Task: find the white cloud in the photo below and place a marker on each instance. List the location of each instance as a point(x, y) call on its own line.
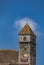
point(34, 26)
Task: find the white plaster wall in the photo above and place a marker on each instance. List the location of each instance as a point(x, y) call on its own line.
point(27, 38)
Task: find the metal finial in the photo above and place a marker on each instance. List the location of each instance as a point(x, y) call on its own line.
point(26, 21)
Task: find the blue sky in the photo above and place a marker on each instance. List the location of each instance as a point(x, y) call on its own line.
point(12, 11)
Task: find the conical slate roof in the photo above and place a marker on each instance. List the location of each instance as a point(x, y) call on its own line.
point(26, 30)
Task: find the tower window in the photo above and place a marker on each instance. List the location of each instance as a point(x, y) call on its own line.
point(24, 38)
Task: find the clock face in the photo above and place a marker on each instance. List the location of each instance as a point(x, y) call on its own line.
point(25, 55)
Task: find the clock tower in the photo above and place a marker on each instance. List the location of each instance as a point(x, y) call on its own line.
point(27, 46)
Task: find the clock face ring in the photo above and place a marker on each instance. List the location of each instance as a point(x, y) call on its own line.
point(25, 55)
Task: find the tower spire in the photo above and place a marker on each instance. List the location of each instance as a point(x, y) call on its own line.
point(26, 30)
point(26, 21)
